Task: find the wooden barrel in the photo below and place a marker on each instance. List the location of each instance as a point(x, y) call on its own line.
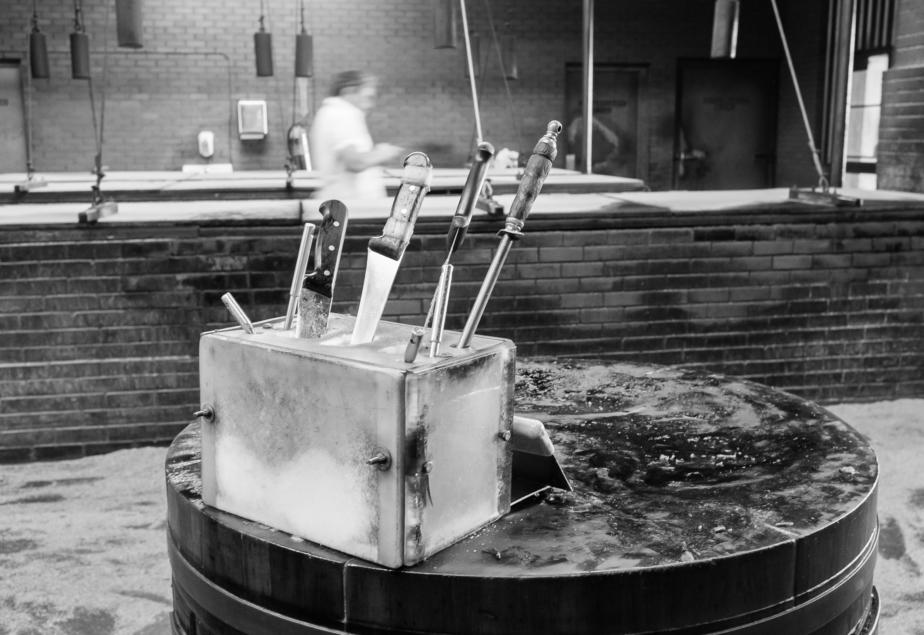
point(701, 504)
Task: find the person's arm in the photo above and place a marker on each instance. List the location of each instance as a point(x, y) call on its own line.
point(356, 161)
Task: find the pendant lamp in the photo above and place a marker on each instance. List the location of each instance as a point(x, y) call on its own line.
point(263, 49)
point(38, 49)
point(725, 29)
point(128, 23)
point(304, 48)
point(80, 47)
point(444, 24)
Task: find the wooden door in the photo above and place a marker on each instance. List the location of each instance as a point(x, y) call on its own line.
point(725, 136)
point(12, 119)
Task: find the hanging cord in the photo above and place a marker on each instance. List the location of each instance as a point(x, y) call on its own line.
point(290, 164)
point(78, 17)
point(482, 80)
point(471, 72)
point(300, 10)
point(280, 100)
point(98, 129)
point(822, 179)
point(500, 60)
point(28, 73)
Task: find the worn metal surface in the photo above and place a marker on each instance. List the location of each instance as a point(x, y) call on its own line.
point(701, 503)
point(297, 424)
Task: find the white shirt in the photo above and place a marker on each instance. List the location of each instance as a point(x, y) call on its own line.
point(339, 124)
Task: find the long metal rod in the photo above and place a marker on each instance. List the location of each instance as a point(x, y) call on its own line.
point(471, 72)
point(487, 287)
point(588, 84)
point(301, 267)
point(440, 305)
point(795, 84)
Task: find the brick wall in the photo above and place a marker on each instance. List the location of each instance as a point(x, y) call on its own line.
point(197, 62)
point(99, 326)
point(901, 126)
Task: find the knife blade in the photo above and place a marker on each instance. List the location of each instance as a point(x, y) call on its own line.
point(317, 292)
point(537, 169)
point(386, 251)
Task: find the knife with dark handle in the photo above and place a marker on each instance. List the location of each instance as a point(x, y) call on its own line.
point(386, 251)
point(317, 288)
point(470, 191)
point(458, 228)
point(537, 169)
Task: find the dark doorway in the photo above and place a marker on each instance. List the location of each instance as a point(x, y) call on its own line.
point(726, 129)
point(619, 144)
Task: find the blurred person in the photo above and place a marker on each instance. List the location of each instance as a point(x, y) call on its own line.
point(611, 152)
point(342, 149)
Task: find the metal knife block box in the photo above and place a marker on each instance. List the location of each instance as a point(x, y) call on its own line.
point(351, 447)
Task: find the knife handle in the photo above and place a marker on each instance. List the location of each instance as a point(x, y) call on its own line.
point(415, 183)
point(328, 245)
point(470, 193)
point(537, 168)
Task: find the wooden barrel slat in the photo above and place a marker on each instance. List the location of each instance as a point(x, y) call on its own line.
point(702, 503)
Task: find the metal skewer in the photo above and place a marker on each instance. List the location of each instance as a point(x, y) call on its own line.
point(301, 267)
point(440, 305)
point(237, 312)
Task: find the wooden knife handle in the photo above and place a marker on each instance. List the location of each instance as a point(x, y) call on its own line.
point(415, 183)
point(537, 168)
point(328, 245)
point(470, 193)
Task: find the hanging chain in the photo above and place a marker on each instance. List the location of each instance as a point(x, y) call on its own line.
point(261, 15)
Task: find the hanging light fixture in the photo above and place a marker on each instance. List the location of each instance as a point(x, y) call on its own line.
point(725, 29)
point(444, 24)
point(38, 49)
point(304, 48)
point(263, 48)
point(128, 23)
point(508, 46)
point(80, 46)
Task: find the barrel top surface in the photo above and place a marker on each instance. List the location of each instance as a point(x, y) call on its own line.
point(668, 467)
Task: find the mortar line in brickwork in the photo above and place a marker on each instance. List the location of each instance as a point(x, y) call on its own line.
point(108, 360)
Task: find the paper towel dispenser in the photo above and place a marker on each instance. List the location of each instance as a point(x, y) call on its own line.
point(251, 119)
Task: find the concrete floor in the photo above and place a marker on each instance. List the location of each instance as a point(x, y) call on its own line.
point(83, 549)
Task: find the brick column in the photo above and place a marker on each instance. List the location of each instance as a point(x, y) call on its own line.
point(901, 128)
